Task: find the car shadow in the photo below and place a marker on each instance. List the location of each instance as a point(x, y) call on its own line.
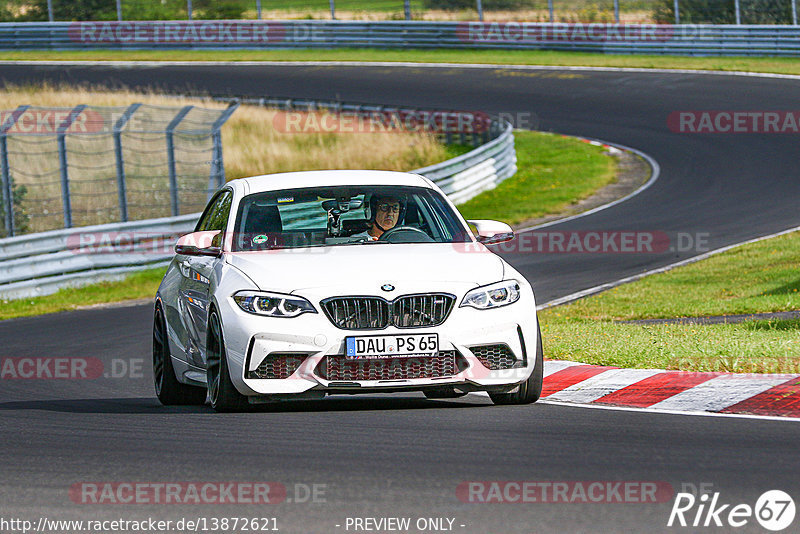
point(150, 405)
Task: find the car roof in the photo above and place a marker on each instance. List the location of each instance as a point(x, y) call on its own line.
point(292, 180)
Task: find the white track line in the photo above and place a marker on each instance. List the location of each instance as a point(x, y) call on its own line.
point(610, 285)
point(551, 367)
point(669, 412)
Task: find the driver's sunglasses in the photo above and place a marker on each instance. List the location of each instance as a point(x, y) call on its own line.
point(395, 208)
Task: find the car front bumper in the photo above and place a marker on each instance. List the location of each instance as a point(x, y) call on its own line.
point(312, 338)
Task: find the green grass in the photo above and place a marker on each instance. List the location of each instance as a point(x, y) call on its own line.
point(759, 277)
point(512, 57)
point(553, 172)
point(751, 347)
point(142, 284)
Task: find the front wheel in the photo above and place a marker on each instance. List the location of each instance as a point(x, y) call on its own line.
point(221, 391)
point(530, 390)
point(168, 390)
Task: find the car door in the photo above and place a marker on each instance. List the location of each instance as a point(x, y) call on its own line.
point(196, 275)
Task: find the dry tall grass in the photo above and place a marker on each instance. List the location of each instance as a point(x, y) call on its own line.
point(251, 143)
point(580, 12)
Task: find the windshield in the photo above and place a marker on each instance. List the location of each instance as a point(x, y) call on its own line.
point(345, 215)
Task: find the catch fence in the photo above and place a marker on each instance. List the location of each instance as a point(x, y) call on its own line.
point(88, 165)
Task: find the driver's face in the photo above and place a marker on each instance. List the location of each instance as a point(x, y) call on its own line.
point(387, 213)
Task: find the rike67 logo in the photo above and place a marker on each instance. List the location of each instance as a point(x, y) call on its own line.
point(774, 510)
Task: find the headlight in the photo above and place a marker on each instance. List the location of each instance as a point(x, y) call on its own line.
point(272, 304)
point(492, 296)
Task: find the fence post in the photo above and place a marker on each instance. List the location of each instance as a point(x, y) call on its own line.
point(258, 9)
point(552, 11)
point(66, 201)
point(407, 8)
point(50, 10)
point(173, 178)
point(217, 176)
point(677, 12)
point(333, 9)
point(119, 10)
point(616, 11)
point(479, 6)
point(121, 188)
point(8, 191)
point(794, 12)
point(189, 8)
point(738, 12)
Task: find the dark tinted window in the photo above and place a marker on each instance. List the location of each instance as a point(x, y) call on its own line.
point(330, 216)
point(216, 215)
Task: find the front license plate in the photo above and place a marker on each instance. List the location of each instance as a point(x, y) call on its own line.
point(391, 346)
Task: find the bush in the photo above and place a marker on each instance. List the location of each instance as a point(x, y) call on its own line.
point(69, 10)
point(21, 218)
point(154, 9)
point(6, 15)
point(73, 10)
point(723, 12)
point(220, 10)
point(488, 5)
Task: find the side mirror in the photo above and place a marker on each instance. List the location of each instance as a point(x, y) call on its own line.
point(492, 232)
point(199, 244)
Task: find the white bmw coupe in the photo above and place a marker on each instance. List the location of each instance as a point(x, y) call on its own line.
point(306, 284)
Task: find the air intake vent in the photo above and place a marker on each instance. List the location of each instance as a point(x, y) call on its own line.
point(278, 365)
point(375, 313)
point(339, 368)
point(496, 357)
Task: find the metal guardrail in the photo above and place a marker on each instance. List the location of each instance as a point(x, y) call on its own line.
point(239, 34)
point(42, 263)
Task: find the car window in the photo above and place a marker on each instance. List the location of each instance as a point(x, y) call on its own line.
point(331, 216)
point(216, 215)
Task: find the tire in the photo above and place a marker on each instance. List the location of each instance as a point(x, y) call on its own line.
point(221, 391)
point(530, 390)
point(168, 390)
point(443, 392)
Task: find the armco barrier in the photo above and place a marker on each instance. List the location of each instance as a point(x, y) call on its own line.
point(691, 39)
point(39, 264)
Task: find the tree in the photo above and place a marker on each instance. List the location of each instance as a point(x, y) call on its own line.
point(723, 11)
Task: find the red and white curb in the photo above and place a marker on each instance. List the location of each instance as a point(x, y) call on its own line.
point(672, 391)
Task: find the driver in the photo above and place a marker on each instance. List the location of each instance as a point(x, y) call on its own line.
point(385, 212)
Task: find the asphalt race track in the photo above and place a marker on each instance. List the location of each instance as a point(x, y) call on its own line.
point(404, 456)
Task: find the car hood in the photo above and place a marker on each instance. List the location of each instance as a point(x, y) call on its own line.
point(365, 268)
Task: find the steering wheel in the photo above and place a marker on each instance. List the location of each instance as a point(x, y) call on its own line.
point(418, 235)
